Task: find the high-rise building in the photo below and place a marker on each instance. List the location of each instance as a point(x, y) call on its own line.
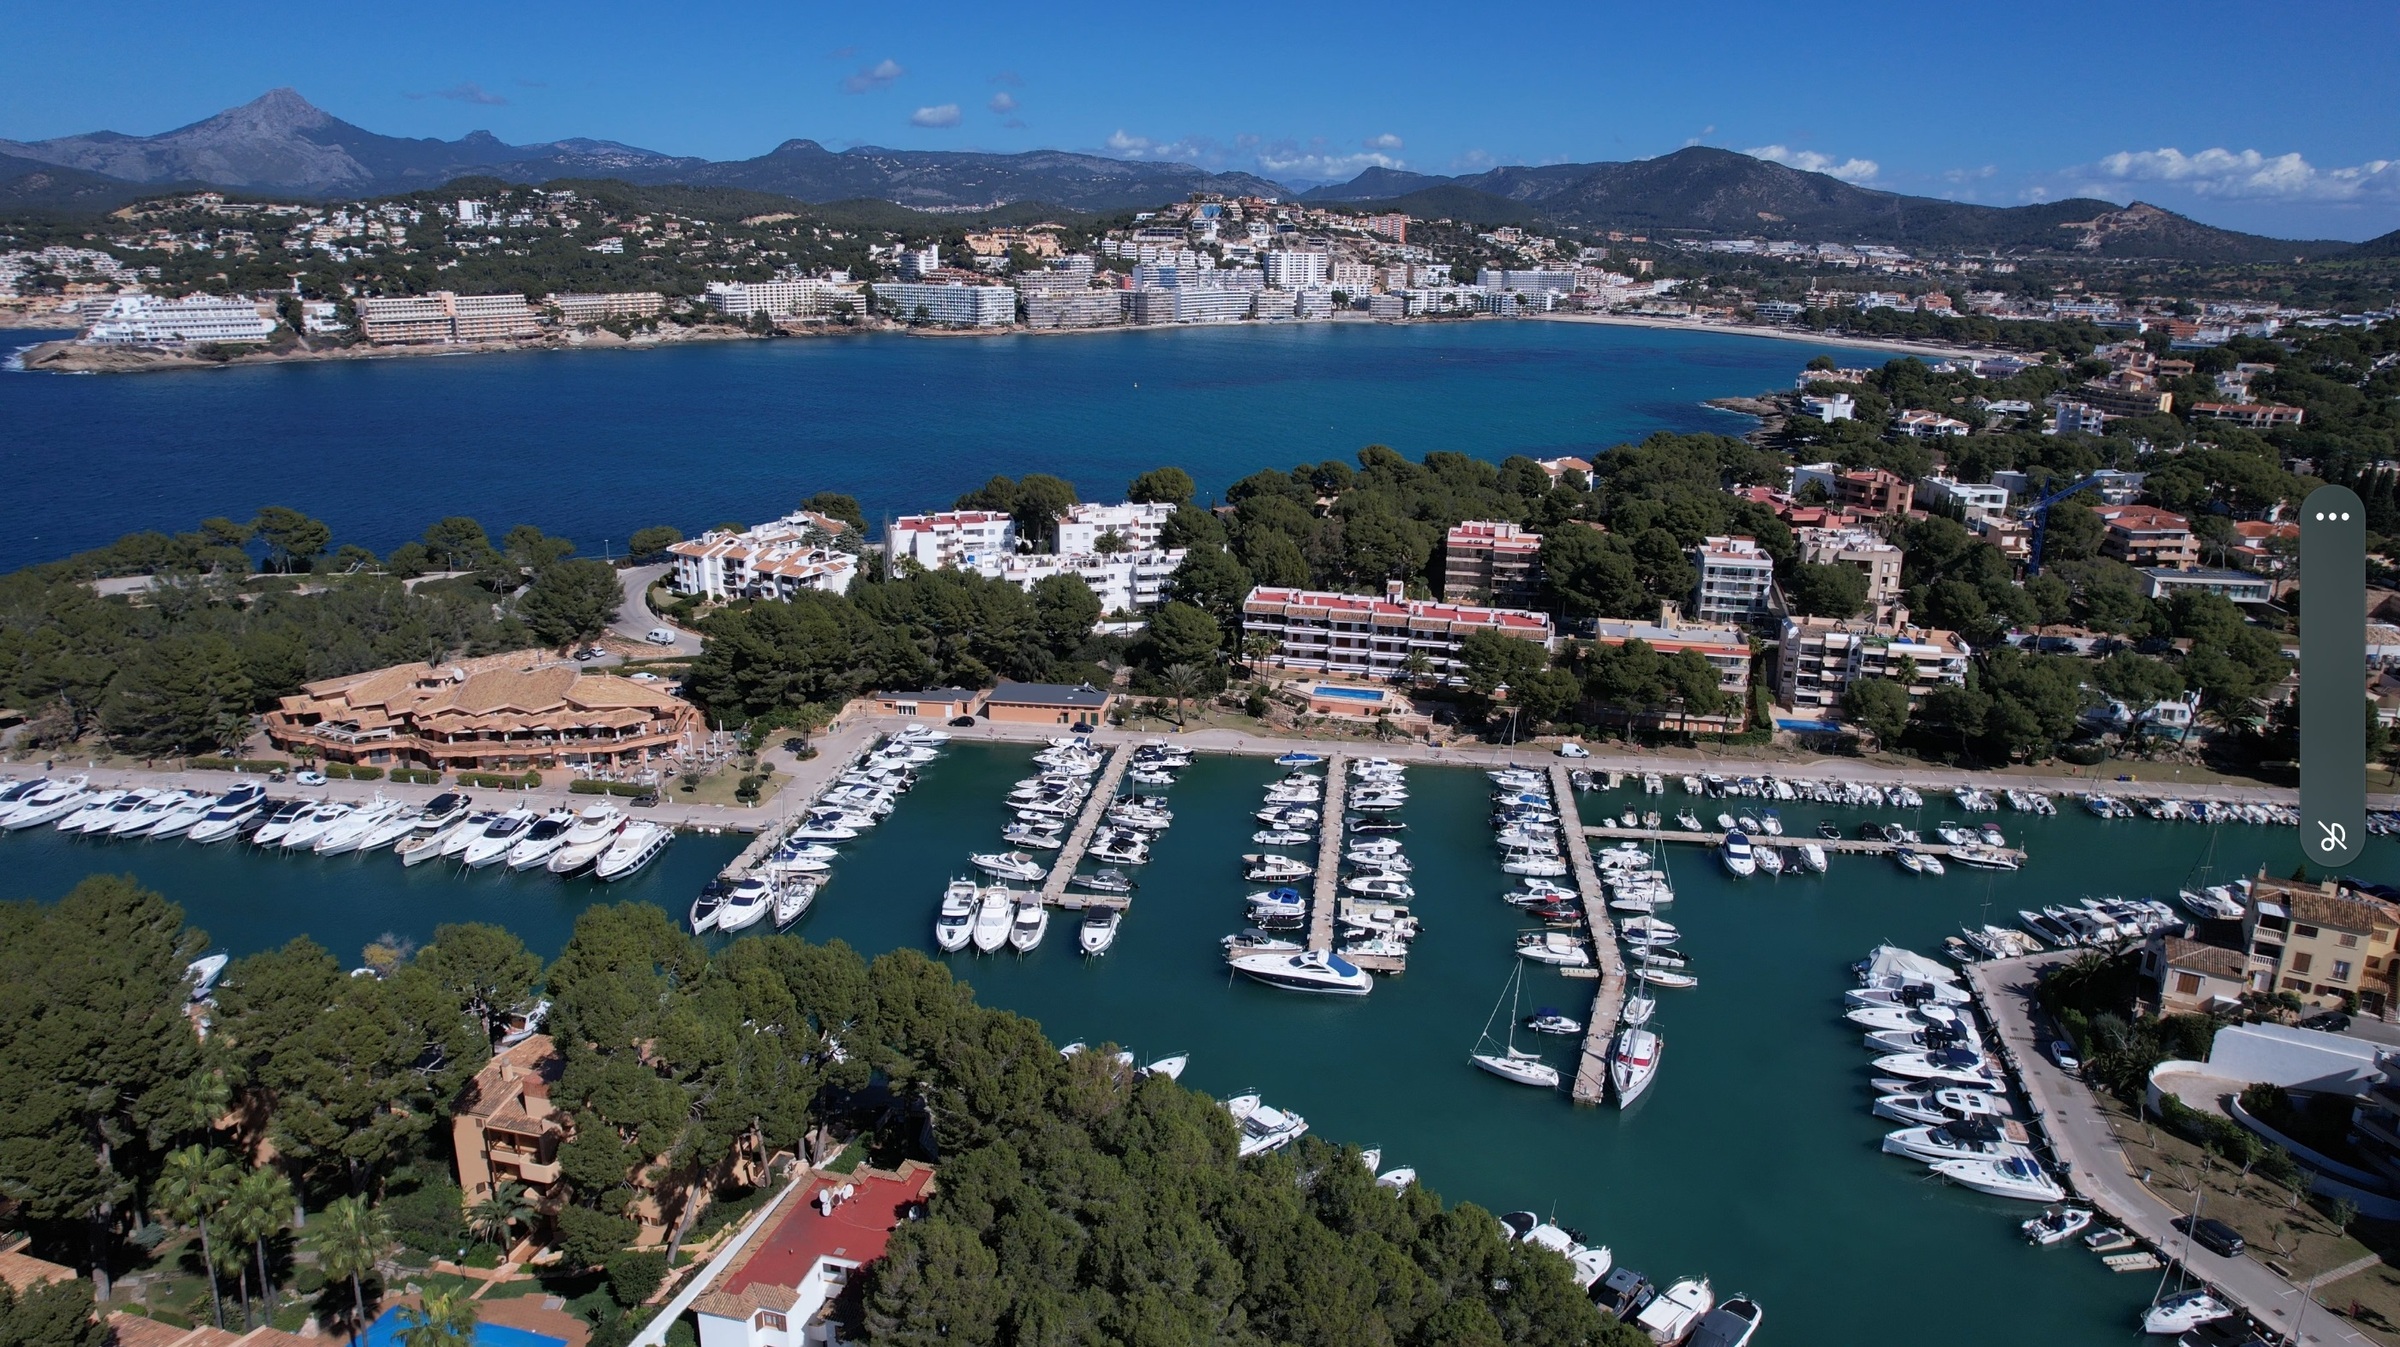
point(1495, 562)
point(1737, 580)
point(950, 303)
point(1290, 269)
point(443, 316)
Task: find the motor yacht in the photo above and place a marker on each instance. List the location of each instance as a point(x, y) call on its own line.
point(344, 837)
point(1935, 1108)
point(398, 824)
point(1770, 860)
point(1385, 888)
point(1811, 857)
point(1034, 837)
point(1907, 995)
point(1633, 1062)
point(1262, 1128)
point(166, 805)
point(2214, 903)
point(1967, 1139)
point(994, 913)
point(2017, 1176)
point(103, 819)
point(1907, 1019)
point(705, 907)
point(1949, 1066)
point(88, 810)
point(1255, 941)
point(2181, 1313)
point(203, 973)
point(1099, 930)
point(1009, 865)
point(304, 832)
point(1169, 1067)
point(1534, 864)
point(954, 924)
point(1927, 1039)
point(1537, 889)
point(1315, 970)
point(498, 837)
point(793, 895)
point(1551, 1020)
point(1029, 925)
point(750, 899)
point(58, 799)
point(1111, 880)
point(1119, 849)
point(226, 817)
point(1737, 856)
point(635, 847)
point(464, 833)
point(1672, 1315)
point(1282, 901)
point(1282, 837)
point(2057, 1225)
point(1731, 1324)
point(1268, 867)
point(1556, 948)
point(541, 841)
point(594, 831)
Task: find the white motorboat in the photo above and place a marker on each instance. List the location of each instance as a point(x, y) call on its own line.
point(706, 906)
point(498, 837)
point(1559, 949)
point(2057, 1225)
point(1640, 1006)
point(1029, 837)
point(1934, 1108)
point(1009, 865)
point(1949, 1066)
point(57, 799)
point(226, 817)
point(542, 840)
point(1268, 867)
point(1503, 1058)
point(1396, 1179)
point(1169, 1067)
point(440, 811)
point(1383, 888)
point(595, 830)
point(399, 824)
point(203, 973)
point(1911, 861)
point(635, 847)
point(156, 810)
point(1099, 930)
point(749, 900)
point(1030, 924)
point(1270, 904)
point(1972, 1139)
point(1907, 994)
point(1533, 864)
point(104, 819)
point(344, 837)
point(90, 810)
point(1739, 860)
point(2018, 1176)
point(823, 832)
point(1262, 1128)
point(1731, 1324)
point(954, 924)
point(1282, 837)
point(1633, 1062)
point(793, 895)
point(1314, 970)
point(1650, 931)
point(1552, 1020)
point(303, 834)
point(994, 914)
point(470, 828)
point(179, 820)
point(1675, 1312)
point(270, 833)
point(1812, 859)
point(2181, 1313)
point(1770, 860)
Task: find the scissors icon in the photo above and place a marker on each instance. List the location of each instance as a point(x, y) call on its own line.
point(2336, 838)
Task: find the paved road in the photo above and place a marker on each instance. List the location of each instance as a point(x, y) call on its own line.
point(2097, 1170)
point(635, 621)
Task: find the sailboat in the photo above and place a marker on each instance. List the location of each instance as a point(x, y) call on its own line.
point(1525, 1068)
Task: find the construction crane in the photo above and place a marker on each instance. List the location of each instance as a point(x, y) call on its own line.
point(2039, 513)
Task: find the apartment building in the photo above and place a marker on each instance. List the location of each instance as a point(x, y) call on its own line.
point(2255, 415)
point(1124, 582)
point(2144, 536)
point(1820, 657)
point(2320, 941)
point(1368, 637)
point(1292, 270)
point(1878, 560)
point(1973, 499)
point(1737, 580)
point(1354, 278)
point(1485, 561)
point(1726, 648)
point(1867, 491)
point(506, 712)
point(1136, 525)
point(447, 317)
point(1829, 407)
point(505, 1129)
point(147, 320)
point(1049, 307)
point(976, 540)
point(586, 310)
point(806, 298)
point(774, 560)
point(2125, 398)
point(2075, 418)
point(948, 303)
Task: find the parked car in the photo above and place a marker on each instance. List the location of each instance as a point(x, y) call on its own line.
point(310, 777)
point(2063, 1053)
point(962, 722)
point(659, 636)
point(649, 801)
point(589, 652)
point(2213, 1235)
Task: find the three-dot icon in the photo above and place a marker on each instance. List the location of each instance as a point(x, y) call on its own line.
point(2324, 516)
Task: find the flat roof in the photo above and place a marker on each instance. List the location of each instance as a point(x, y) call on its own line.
point(1049, 694)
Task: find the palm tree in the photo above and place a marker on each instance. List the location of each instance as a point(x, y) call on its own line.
point(496, 1217)
point(350, 1238)
point(194, 1186)
point(260, 1210)
point(1184, 680)
point(446, 1319)
point(205, 1098)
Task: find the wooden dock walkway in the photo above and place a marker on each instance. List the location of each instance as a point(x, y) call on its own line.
point(1591, 1069)
point(1054, 887)
point(1715, 838)
point(1328, 894)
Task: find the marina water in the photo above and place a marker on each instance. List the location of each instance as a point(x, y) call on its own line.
point(1753, 1159)
point(591, 445)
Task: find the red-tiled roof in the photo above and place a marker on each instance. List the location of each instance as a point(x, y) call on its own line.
point(857, 1231)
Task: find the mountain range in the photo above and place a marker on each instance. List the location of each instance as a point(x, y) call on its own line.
point(280, 143)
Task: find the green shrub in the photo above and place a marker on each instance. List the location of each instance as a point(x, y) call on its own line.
point(237, 764)
point(416, 776)
point(588, 1238)
point(727, 1210)
point(427, 1218)
point(501, 780)
point(347, 771)
point(2084, 755)
point(309, 1280)
point(634, 1275)
point(586, 786)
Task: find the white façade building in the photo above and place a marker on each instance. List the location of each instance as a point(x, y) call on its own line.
point(951, 303)
point(775, 560)
point(970, 540)
point(147, 320)
point(1124, 582)
point(1136, 524)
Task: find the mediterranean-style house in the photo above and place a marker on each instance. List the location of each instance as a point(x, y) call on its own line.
point(513, 711)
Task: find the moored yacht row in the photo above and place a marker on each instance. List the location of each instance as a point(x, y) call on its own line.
point(1372, 905)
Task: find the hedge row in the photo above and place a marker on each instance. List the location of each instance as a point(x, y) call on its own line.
point(501, 780)
point(237, 764)
point(628, 789)
point(416, 776)
point(351, 771)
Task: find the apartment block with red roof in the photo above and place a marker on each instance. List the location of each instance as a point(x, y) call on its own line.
point(781, 1289)
point(1367, 637)
point(2255, 415)
point(1486, 561)
point(2147, 537)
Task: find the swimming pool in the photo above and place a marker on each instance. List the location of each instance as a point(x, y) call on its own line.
point(385, 1331)
point(1808, 726)
point(1339, 693)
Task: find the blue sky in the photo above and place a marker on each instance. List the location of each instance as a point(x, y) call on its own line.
point(2278, 119)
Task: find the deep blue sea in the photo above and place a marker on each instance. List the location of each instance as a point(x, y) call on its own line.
point(594, 444)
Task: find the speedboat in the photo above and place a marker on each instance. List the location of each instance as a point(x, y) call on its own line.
point(2181, 1313)
point(203, 973)
point(1556, 948)
point(1387, 888)
point(1099, 930)
point(226, 816)
point(1282, 837)
point(542, 840)
point(1974, 1139)
point(1812, 859)
point(1633, 1062)
point(1267, 867)
point(1911, 861)
point(635, 847)
point(1262, 1128)
point(1033, 837)
point(1169, 1067)
point(498, 836)
point(1533, 864)
point(594, 831)
point(705, 907)
point(155, 810)
point(1935, 1108)
point(270, 833)
point(1314, 970)
point(751, 898)
point(2057, 1225)
point(1731, 1324)
point(1670, 1317)
point(387, 830)
point(1550, 1020)
point(1299, 759)
point(1739, 862)
point(1031, 923)
point(994, 913)
point(1278, 902)
point(101, 813)
point(954, 925)
point(303, 834)
point(1009, 865)
point(1102, 881)
point(346, 836)
point(1950, 1066)
point(1769, 859)
point(2017, 1176)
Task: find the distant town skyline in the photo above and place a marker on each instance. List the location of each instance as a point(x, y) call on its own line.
point(2285, 123)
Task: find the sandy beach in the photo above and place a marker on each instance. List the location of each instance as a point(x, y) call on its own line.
point(1897, 347)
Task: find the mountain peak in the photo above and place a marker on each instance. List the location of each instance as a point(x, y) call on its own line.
point(798, 145)
point(277, 109)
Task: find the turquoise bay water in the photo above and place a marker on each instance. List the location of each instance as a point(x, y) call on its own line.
point(593, 445)
point(1752, 1159)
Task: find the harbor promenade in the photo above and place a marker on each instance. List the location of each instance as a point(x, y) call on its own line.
point(1328, 893)
point(2095, 1168)
point(1591, 1066)
point(1054, 886)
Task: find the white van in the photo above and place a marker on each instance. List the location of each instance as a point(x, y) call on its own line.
point(660, 636)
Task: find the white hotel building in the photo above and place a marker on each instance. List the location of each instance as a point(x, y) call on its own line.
point(950, 302)
point(807, 298)
point(970, 540)
point(1125, 582)
point(775, 560)
point(1137, 526)
point(147, 320)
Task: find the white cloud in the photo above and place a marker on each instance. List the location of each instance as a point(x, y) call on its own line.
point(945, 114)
point(1970, 174)
point(2247, 174)
point(1120, 143)
point(1003, 102)
point(1386, 141)
point(1189, 150)
point(876, 76)
point(1810, 161)
point(1316, 160)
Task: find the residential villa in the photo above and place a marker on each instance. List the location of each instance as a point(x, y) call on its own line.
point(774, 560)
point(505, 1129)
point(782, 1288)
point(2144, 536)
point(513, 711)
point(2321, 942)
